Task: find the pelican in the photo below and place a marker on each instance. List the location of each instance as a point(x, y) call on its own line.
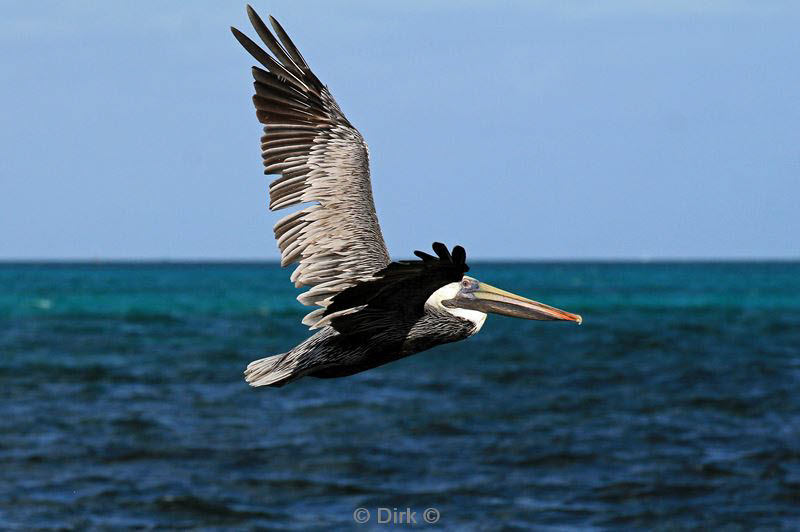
point(370, 311)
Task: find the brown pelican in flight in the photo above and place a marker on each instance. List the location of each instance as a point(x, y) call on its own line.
point(371, 311)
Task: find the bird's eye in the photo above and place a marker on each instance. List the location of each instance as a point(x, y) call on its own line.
point(465, 283)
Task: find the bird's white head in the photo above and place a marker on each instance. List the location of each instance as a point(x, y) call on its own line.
point(448, 292)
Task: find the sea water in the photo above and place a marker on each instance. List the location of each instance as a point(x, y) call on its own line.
point(675, 405)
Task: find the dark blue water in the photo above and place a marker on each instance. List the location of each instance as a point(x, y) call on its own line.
point(675, 405)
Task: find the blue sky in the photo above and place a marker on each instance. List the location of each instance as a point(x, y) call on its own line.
point(520, 130)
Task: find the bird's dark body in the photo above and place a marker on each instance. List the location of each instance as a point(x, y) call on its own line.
point(329, 354)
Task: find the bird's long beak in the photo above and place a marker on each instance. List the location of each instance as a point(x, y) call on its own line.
point(490, 299)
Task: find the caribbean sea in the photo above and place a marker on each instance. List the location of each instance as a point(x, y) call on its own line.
point(676, 405)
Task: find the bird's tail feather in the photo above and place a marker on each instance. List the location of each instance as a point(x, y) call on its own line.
point(275, 370)
point(305, 359)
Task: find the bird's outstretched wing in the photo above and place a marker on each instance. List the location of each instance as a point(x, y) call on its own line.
point(322, 160)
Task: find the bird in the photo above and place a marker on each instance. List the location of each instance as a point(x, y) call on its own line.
point(369, 310)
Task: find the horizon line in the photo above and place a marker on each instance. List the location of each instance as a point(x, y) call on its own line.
point(507, 260)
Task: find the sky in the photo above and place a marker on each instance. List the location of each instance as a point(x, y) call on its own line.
point(520, 130)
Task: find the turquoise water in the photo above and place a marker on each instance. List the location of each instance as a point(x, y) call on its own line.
point(675, 404)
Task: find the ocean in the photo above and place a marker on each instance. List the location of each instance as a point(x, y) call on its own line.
point(676, 405)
